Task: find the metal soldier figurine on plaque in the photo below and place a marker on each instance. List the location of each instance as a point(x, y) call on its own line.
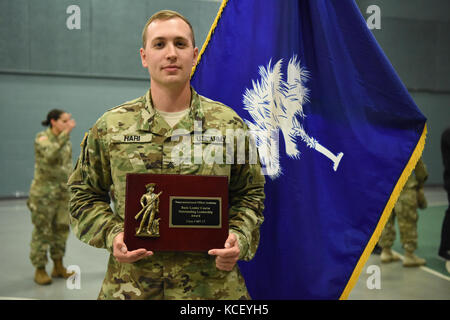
point(150, 206)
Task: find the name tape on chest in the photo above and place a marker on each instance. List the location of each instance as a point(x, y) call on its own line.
point(131, 138)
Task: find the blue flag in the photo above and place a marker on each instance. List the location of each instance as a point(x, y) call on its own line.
point(337, 133)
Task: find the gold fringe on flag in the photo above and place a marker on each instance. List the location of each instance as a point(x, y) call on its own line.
point(386, 213)
point(211, 31)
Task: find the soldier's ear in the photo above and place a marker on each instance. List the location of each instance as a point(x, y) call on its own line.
point(195, 57)
point(143, 58)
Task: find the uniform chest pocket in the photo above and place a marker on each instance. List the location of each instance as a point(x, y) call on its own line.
point(136, 157)
point(208, 158)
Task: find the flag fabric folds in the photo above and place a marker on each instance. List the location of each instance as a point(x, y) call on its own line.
point(337, 132)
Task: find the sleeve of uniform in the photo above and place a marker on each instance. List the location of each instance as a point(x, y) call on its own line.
point(49, 149)
point(421, 172)
point(246, 205)
point(92, 218)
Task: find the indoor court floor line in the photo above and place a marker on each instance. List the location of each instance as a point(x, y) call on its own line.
point(394, 281)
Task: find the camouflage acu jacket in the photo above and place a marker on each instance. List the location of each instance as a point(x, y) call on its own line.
point(134, 138)
point(53, 161)
point(417, 178)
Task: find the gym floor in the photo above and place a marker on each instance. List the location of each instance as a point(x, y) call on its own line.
point(376, 282)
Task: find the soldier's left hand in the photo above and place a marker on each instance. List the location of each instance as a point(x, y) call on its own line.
point(227, 258)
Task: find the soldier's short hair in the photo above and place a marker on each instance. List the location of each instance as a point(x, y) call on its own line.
point(150, 185)
point(166, 15)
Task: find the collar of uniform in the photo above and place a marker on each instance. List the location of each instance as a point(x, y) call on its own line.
point(151, 121)
point(147, 114)
point(50, 133)
point(197, 113)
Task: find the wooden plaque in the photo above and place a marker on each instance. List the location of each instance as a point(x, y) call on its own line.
point(192, 212)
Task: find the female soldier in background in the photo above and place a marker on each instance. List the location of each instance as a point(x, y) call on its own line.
point(49, 197)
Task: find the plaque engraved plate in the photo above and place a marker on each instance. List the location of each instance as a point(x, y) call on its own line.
point(195, 212)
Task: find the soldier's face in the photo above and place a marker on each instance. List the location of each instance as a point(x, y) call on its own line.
point(169, 54)
point(59, 125)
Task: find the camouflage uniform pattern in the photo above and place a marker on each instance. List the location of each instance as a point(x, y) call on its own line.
point(405, 210)
point(49, 196)
point(134, 138)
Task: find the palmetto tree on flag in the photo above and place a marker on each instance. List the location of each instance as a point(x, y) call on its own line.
point(274, 105)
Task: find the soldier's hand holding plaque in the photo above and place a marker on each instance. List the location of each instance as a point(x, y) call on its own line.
point(121, 253)
point(227, 257)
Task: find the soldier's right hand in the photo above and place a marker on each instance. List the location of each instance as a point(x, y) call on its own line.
point(121, 253)
point(70, 124)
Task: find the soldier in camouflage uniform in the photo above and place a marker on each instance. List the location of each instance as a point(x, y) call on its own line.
point(139, 136)
point(49, 196)
point(405, 210)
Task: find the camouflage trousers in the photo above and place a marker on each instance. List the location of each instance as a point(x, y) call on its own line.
point(50, 217)
point(172, 276)
point(405, 212)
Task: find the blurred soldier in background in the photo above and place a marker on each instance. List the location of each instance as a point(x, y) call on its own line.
point(49, 197)
point(411, 198)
